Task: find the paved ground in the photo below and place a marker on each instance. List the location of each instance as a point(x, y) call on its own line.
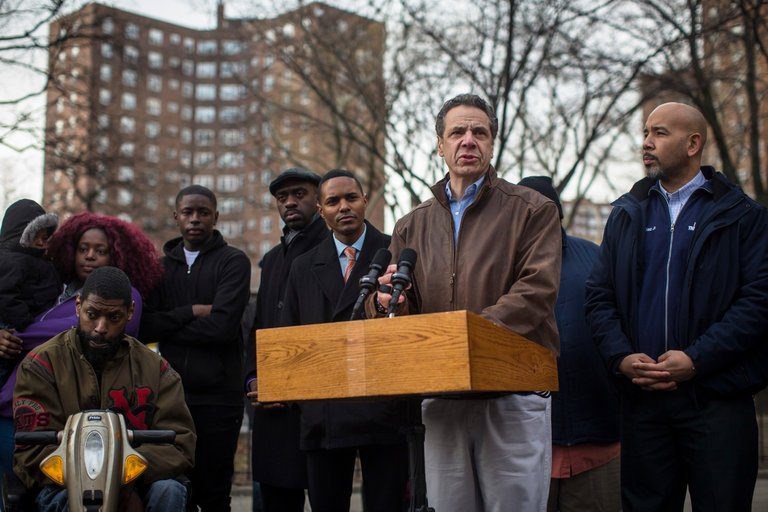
point(241, 502)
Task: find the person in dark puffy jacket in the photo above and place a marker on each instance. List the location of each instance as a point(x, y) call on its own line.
point(29, 283)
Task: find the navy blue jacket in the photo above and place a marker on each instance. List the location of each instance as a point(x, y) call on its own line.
point(723, 309)
point(586, 408)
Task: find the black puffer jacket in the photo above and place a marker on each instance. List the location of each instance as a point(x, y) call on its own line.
point(207, 351)
point(29, 283)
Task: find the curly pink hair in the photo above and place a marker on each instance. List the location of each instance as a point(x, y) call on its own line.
point(130, 249)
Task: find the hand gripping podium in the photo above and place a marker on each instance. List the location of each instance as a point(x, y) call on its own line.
point(432, 354)
point(422, 355)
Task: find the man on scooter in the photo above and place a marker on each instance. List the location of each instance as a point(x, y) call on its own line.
point(95, 365)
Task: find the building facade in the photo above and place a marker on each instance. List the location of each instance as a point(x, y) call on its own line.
point(139, 108)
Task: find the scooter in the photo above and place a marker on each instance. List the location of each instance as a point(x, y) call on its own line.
point(94, 459)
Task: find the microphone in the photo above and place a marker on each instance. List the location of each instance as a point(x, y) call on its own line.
point(370, 281)
point(402, 278)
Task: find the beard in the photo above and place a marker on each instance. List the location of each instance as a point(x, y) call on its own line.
point(98, 356)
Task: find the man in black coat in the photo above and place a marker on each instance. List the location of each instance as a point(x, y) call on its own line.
point(195, 315)
point(322, 287)
point(278, 464)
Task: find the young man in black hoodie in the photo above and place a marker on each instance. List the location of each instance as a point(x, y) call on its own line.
point(195, 315)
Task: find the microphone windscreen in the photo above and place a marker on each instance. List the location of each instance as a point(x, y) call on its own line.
point(381, 258)
point(407, 257)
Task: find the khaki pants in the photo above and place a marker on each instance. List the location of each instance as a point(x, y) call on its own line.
point(488, 455)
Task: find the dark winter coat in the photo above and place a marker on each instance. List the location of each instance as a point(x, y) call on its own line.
point(207, 351)
point(586, 408)
point(316, 293)
point(276, 457)
point(29, 283)
point(723, 311)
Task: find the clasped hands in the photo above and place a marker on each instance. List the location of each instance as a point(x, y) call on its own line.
point(673, 367)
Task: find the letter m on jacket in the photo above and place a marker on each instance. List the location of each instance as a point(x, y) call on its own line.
point(140, 415)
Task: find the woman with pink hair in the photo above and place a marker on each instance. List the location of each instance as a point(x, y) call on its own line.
point(84, 242)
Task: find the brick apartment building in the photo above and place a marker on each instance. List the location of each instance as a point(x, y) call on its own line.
point(138, 108)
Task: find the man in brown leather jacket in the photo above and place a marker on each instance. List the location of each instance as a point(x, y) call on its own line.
point(493, 248)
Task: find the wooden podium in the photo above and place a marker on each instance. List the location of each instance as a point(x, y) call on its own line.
point(432, 354)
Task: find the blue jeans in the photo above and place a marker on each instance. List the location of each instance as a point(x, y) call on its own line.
point(163, 495)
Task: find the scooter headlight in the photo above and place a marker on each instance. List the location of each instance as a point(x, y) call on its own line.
point(93, 454)
point(53, 468)
point(133, 467)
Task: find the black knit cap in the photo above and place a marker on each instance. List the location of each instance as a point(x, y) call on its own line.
point(108, 283)
point(543, 185)
point(17, 216)
point(293, 174)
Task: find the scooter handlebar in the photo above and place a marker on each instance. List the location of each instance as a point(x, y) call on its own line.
point(139, 437)
point(39, 437)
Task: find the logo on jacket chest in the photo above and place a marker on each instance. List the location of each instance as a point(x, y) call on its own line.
point(139, 416)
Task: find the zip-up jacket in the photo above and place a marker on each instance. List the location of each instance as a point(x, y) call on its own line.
point(206, 351)
point(505, 265)
point(722, 316)
point(56, 380)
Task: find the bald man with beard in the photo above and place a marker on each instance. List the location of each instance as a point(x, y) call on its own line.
point(678, 306)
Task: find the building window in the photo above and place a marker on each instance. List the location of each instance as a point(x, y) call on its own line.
point(232, 47)
point(231, 159)
point(153, 154)
point(228, 182)
point(128, 101)
point(232, 137)
point(230, 92)
point(129, 78)
point(269, 83)
point(152, 129)
point(155, 36)
point(206, 180)
point(185, 159)
point(173, 84)
point(207, 47)
point(171, 153)
point(173, 107)
point(266, 225)
point(103, 143)
point(125, 173)
point(124, 197)
point(206, 69)
point(131, 54)
point(231, 115)
point(231, 228)
point(175, 39)
point(229, 204)
point(265, 245)
point(131, 31)
point(154, 83)
point(205, 114)
point(172, 130)
point(105, 73)
point(154, 106)
point(187, 67)
point(105, 96)
point(205, 92)
point(205, 137)
point(186, 136)
point(106, 50)
point(231, 69)
point(59, 126)
point(127, 124)
point(174, 62)
point(186, 113)
point(103, 121)
point(127, 149)
point(189, 45)
point(187, 90)
point(107, 26)
point(155, 60)
point(204, 158)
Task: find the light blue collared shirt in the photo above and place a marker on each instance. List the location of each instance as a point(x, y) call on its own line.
point(341, 246)
point(458, 207)
point(676, 200)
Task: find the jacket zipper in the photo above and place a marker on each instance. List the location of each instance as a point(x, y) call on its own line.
point(666, 286)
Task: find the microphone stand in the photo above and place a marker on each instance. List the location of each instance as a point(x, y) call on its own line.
point(414, 433)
